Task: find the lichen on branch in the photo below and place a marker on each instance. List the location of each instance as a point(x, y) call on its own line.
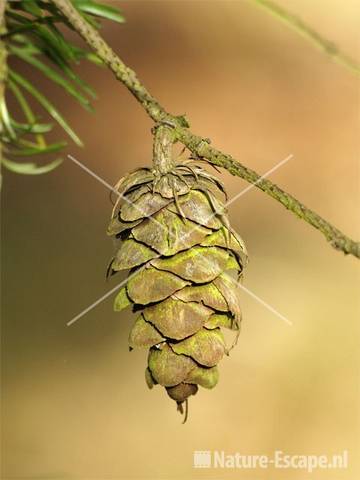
point(199, 146)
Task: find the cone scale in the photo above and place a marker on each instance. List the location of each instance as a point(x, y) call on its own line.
point(184, 260)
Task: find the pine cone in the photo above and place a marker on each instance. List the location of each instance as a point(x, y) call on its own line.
point(185, 260)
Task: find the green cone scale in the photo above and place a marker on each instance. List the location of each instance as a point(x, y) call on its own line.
point(184, 260)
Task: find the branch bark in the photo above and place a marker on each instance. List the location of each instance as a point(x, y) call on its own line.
point(301, 27)
point(199, 146)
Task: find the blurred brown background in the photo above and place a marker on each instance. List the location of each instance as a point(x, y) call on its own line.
point(75, 404)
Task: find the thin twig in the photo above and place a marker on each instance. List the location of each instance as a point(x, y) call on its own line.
point(297, 24)
point(199, 146)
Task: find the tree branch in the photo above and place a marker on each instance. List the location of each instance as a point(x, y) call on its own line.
point(199, 146)
point(297, 24)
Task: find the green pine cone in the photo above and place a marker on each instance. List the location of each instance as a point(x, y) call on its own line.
point(185, 261)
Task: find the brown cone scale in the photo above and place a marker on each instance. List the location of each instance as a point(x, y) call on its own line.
point(185, 261)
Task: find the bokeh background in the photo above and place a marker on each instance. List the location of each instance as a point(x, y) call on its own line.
point(75, 404)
